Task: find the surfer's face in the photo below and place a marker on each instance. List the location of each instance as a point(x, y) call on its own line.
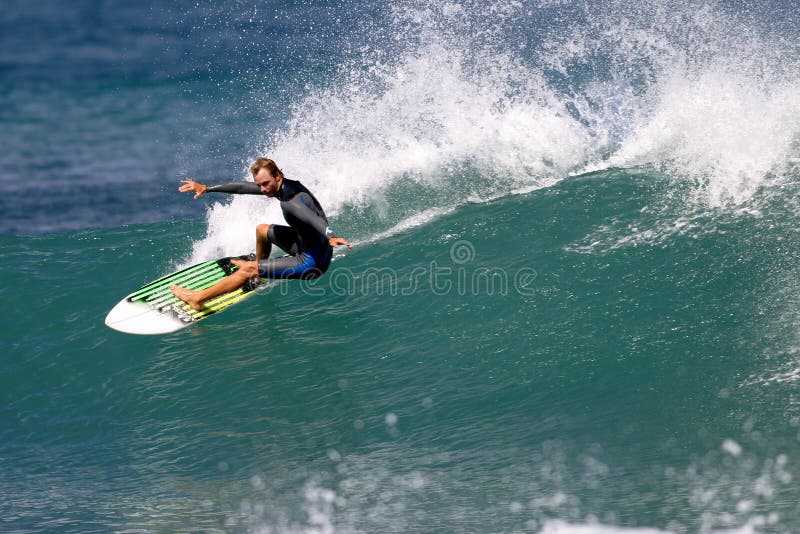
point(268, 184)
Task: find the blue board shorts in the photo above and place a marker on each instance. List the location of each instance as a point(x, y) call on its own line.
point(303, 262)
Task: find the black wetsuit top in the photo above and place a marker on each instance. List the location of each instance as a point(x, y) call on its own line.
point(306, 237)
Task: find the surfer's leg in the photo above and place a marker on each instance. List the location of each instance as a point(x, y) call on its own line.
point(285, 237)
point(195, 299)
point(307, 264)
point(263, 244)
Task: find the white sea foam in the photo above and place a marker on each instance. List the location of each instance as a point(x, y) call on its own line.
point(721, 112)
point(717, 129)
point(687, 88)
point(562, 527)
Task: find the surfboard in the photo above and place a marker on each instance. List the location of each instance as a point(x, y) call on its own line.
point(153, 309)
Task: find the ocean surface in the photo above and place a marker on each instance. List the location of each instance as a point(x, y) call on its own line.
point(572, 307)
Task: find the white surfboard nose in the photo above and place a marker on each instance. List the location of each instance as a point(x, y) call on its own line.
point(138, 318)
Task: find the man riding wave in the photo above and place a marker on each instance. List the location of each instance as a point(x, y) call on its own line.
point(308, 239)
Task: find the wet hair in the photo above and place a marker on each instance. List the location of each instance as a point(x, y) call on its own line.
point(266, 163)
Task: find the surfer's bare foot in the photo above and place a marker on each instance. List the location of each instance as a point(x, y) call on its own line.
point(188, 296)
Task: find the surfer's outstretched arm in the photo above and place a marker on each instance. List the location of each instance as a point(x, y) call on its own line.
point(234, 188)
point(246, 270)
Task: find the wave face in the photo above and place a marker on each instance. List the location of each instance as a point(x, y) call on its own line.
point(452, 103)
point(564, 360)
point(572, 305)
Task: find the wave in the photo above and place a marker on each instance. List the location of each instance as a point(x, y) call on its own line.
point(450, 104)
point(486, 409)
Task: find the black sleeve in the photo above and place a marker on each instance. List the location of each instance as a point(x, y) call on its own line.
point(235, 188)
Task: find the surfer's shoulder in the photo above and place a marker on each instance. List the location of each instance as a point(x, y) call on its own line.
point(290, 189)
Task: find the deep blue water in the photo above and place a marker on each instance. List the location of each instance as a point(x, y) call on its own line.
point(572, 305)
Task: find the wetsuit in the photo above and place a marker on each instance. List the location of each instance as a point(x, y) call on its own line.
point(306, 237)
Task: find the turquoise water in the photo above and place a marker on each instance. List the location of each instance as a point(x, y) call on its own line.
point(649, 383)
point(571, 306)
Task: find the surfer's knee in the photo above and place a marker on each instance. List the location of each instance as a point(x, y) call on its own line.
point(248, 270)
point(262, 232)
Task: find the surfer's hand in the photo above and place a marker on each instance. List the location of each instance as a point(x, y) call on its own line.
point(337, 241)
point(190, 185)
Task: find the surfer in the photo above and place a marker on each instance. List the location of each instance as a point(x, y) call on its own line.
point(308, 239)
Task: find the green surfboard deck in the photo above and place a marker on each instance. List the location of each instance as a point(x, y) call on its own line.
point(157, 295)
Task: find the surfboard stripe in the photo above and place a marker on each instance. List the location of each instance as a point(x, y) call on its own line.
point(149, 290)
point(212, 270)
point(155, 293)
point(200, 282)
point(166, 298)
point(193, 278)
point(216, 304)
point(169, 279)
point(221, 302)
point(213, 306)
